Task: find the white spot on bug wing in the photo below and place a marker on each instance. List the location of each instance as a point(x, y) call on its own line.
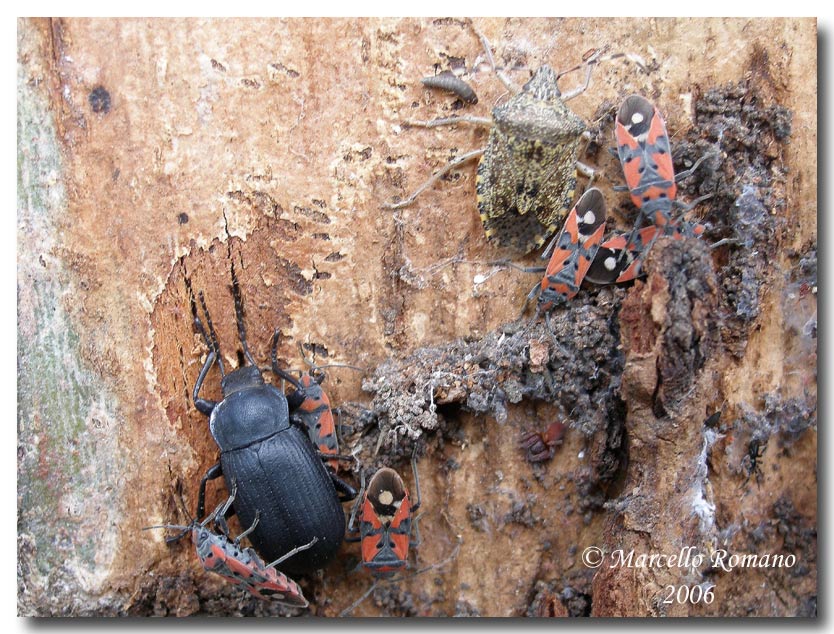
point(609, 263)
point(636, 118)
point(386, 497)
point(589, 218)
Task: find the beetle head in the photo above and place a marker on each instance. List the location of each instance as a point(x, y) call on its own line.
point(244, 377)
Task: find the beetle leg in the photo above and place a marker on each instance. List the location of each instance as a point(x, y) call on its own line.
point(213, 473)
point(345, 492)
point(278, 371)
point(203, 405)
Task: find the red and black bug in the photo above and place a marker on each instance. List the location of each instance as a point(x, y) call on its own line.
point(571, 252)
point(384, 510)
point(646, 157)
point(313, 412)
point(541, 446)
point(645, 154)
point(241, 566)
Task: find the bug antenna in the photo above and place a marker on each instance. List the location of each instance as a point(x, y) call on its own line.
point(211, 340)
point(241, 326)
point(185, 529)
point(353, 605)
point(314, 367)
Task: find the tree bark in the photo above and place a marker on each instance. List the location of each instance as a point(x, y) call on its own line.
point(153, 153)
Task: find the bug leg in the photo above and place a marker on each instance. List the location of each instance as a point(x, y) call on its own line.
point(416, 504)
point(586, 170)
point(463, 158)
point(508, 83)
point(436, 123)
point(250, 529)
point(214, 472)
point(219, 515)
point(353, 605)
point(722, 242)
point(359, 499)
point(567, 96)
point(415, 525)
point(691, 205)
point(552, 334)
point(533, 292)
point(294, 551)
point(691, 170)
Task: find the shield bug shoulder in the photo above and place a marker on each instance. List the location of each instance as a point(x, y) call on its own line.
point(527, 172)
point(238, 565)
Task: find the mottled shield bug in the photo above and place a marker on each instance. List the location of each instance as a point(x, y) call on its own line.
point(527, 172)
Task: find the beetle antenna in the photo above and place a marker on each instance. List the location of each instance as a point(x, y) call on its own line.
point(241, 326)
point(275, 369)
point(198, 323)
point(212, 341)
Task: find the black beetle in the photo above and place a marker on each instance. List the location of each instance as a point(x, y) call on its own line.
point(278, 474)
